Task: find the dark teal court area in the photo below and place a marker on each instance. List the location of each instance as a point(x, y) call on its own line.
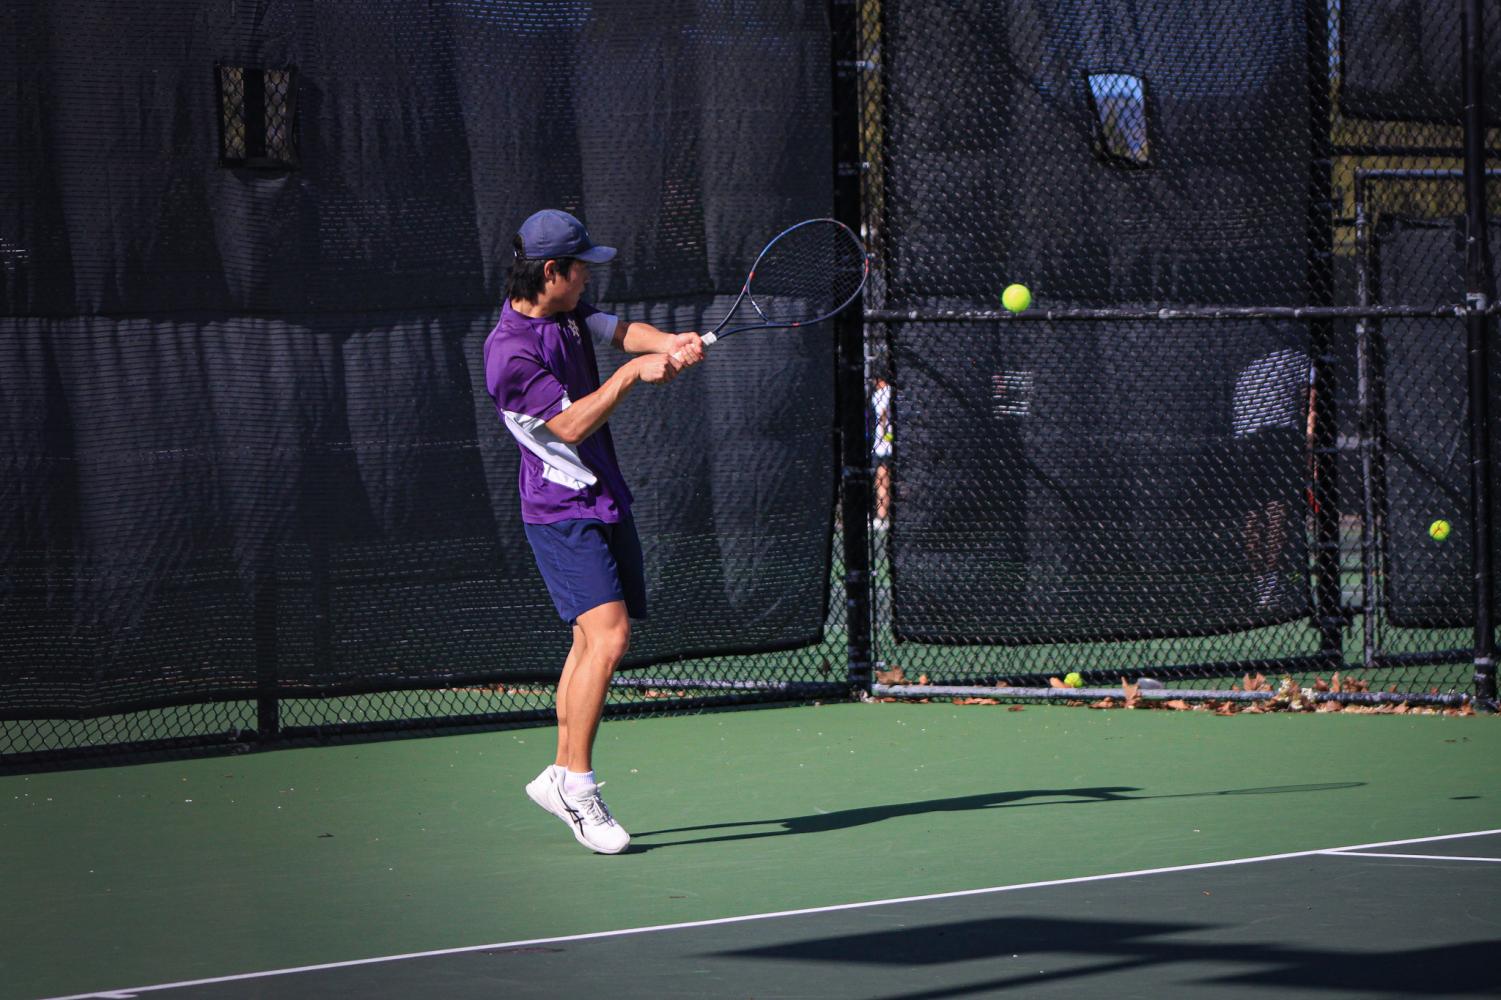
point(938, 850)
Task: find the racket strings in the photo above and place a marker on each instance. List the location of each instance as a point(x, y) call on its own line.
point(808, 272)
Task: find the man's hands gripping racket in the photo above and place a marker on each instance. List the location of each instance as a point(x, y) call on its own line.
point(806, 274)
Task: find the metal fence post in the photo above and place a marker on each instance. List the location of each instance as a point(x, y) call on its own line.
point(1477, 327)
point(849, 328)
point(1329, 612)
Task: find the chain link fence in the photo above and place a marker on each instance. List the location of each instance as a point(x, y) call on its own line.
point(253, 496)
point(252, 487)
point(1230, 437)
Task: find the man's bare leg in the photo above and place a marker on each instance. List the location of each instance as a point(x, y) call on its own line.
point(1252, 538)
point(600, 639)
point(540, 789)
point(606, 632)
point(1276, 533)
point(575, 653)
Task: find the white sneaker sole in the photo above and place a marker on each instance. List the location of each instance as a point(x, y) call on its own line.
point(578, 835)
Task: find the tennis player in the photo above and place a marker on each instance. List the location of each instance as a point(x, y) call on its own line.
point(541, 371)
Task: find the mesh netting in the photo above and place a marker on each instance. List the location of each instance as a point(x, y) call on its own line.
point(1077, 481)
point(1218, 441)
point(1418, 369)
point(248, 260)
point(251, 483)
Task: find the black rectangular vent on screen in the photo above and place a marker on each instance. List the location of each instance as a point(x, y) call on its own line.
point(1119, 103)
point(257, 117)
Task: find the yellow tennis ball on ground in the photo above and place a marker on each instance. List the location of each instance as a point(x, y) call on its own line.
point(1074, 680)
point(1439, 530)
point(1016, 298)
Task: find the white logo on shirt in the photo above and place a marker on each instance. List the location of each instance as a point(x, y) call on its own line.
point(571, 326)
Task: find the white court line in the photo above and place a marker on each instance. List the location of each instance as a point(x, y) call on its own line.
point(126, 994)
point(1418, 857)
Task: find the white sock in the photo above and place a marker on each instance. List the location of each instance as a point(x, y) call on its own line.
point(557, 770)
point(575, 782)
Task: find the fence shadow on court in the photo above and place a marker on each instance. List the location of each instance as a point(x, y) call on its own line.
point(1115, 947)
point(844, 819)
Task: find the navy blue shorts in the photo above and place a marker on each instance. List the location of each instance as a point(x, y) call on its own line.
point(586, 562)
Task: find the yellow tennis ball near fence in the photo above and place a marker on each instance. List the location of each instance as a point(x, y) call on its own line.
point(1074, 680)
point(1438, 530)
point(1016, 298)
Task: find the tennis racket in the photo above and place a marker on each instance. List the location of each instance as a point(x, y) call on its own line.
point(806, 274)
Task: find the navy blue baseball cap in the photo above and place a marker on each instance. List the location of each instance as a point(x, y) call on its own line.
point(554, 233)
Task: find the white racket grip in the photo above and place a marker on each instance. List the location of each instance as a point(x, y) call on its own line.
point(708, 339)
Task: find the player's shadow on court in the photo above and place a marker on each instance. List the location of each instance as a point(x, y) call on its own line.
point(845, 819)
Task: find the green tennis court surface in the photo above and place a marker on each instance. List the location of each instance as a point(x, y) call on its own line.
point(119, 880)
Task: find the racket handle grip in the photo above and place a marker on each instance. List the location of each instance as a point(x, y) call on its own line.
point(708, 339)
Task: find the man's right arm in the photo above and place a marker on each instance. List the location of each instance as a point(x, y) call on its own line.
point(587, 415)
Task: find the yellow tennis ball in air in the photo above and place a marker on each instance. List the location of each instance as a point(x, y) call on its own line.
point(1073, 680)
point(1016, 298)
point(1438, 530)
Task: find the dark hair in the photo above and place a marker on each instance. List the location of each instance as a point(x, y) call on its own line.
point(527, 281)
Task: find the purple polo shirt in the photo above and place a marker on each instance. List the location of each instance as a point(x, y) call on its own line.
point(535, 369)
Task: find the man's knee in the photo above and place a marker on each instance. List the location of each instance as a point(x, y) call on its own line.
point(612, 645)
point(607, 632)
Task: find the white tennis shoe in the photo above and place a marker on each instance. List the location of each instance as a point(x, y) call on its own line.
point(589, 818)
